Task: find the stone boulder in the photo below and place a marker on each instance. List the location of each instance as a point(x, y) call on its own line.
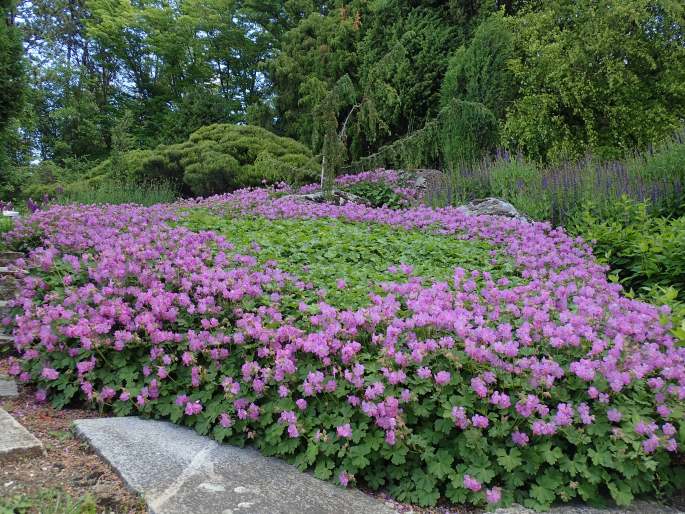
point(422, 179)
point(492, 207)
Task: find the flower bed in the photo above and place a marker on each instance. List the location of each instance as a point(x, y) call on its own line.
point(510, 371)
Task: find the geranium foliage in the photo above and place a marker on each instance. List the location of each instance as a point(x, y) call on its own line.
point(515, 372)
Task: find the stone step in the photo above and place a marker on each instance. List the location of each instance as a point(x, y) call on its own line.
point(8, 387)
point(178, 471)
point(15, 440)
point(9, 257)
point(6, 270)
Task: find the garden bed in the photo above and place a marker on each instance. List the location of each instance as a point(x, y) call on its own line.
point(425, 352)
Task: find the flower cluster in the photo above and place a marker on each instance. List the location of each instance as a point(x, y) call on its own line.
point(540, 385)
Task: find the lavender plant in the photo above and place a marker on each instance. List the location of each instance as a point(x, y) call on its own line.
point(556, 193)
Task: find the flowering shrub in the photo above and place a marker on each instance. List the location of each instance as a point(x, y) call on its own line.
point(523, 376)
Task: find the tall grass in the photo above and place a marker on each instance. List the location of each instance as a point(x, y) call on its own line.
point(556, 193)
point(110, 192)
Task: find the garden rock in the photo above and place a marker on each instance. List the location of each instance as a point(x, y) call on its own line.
point(422, 179)
point(179, 471)
point(492, 207)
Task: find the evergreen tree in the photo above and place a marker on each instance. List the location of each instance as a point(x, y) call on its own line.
point(480, 72)
point(313, 57)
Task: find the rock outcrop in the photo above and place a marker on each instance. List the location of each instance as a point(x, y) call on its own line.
point(492, 207)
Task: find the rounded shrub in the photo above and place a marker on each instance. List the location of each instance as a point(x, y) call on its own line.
point(220, 158)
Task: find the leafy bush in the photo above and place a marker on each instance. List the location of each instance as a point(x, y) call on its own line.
point(644, 251)
point(511, 371)
point(218, 158)
point(378, 194)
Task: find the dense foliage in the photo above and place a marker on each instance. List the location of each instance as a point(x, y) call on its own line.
point(479, 359)
point(615, 70)
point(480, 72)
point(644, 251)
point(108, 77)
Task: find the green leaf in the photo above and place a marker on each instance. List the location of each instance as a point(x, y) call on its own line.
point(509, 461)
point(357, 456)
point(620, 492)
point(543, 495)
point(441, 465)
point(324, 469)
point(553, 455)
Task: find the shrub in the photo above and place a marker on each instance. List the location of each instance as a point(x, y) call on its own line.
point(218, 158)
point(378, 194)
point(644, 251)
point(521, 374)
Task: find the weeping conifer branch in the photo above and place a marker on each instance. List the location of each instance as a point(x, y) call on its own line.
point(461, 132)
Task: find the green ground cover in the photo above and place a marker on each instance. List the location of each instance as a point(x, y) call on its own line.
point(323, 251)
